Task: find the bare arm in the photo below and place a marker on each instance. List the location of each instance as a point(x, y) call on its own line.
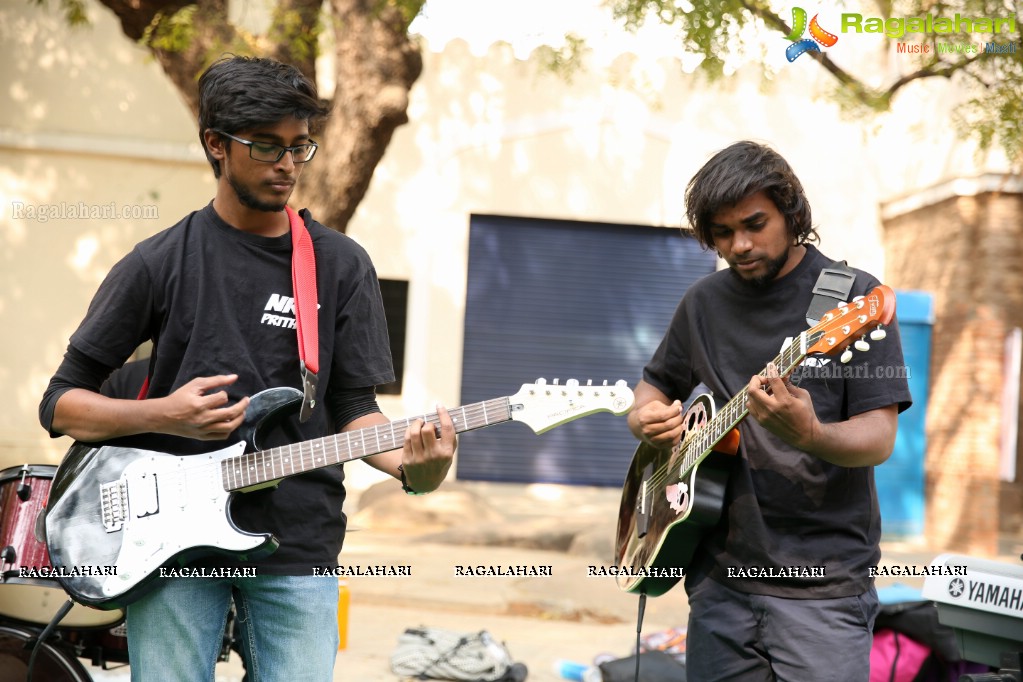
point(655, 419)
point(785, 410)
point(425, 456)
point(196, 410)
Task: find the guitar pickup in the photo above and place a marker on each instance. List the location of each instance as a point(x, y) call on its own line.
point(146, 495)
point(113, 498)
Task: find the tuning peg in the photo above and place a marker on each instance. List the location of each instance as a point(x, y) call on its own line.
point(571, 383)
point(857, 298)
point(846, 356)
point(621, 383)
point(878, 334)
point(605, 382)
point(541, 382)
point(861, 346)
point(555, 383)
point(589, 382)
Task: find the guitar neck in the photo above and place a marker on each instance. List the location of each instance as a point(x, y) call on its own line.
point(734, 411)
point(251, 469)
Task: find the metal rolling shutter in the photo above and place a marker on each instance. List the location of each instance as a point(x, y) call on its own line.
point(560, 300)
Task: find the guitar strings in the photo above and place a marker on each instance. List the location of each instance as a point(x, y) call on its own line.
point(697, 447)
point(249, 469)
point(247, 466)
point(687, 447)
point(787, 360)
point(355, 443)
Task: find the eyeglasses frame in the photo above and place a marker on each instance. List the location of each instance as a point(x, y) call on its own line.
point(282, 150)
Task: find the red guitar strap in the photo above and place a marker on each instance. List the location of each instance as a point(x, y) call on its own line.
point(303, 282)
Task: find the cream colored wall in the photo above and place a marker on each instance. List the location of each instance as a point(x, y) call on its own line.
point(618, 143)
point(89, 118)
point(88, 123)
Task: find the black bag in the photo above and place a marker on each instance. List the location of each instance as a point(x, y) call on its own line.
point(654, 666)
point(918, 620)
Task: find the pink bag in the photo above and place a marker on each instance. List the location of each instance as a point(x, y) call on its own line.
point(894, 657)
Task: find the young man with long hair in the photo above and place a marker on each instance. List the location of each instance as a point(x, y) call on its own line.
point(801, 490)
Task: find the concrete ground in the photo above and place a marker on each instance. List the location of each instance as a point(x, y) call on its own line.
point(566, 615)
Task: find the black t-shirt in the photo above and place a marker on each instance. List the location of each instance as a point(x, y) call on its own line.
point(215, 300)
point(784, 508)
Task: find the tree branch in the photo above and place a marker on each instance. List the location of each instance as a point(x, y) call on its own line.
point(946, 70)
point(137, 15)
point(878, 99)
point(183, 35)
point(294, 34)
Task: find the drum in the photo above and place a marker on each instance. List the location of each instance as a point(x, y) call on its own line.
point(100, 647)
point(34, 599)
point(52, 664)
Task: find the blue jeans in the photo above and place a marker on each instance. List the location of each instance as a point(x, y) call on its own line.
point(743, 637)
point(287, 625)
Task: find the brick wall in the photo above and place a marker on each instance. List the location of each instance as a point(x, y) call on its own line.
point(967, 252)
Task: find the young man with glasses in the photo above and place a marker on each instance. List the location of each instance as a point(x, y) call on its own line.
point(214, 295)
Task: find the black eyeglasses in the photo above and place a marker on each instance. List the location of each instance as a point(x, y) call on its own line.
point(272, 153)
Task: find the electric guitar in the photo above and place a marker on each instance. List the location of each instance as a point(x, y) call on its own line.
point(672, 496)
point(116, 515)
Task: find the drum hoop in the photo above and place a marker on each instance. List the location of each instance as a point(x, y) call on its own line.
point(51, 584)
point(31, 470)
point(67, 661)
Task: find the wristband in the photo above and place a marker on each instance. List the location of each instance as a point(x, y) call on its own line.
point(404, 483)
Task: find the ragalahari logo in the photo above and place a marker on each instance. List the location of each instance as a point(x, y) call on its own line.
point(803, 45)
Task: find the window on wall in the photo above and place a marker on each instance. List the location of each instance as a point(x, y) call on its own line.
point(395, 295)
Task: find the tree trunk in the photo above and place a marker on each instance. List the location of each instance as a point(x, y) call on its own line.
point(376, 65)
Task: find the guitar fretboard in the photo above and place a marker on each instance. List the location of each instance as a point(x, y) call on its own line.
point(255, 468)
point(734, 411)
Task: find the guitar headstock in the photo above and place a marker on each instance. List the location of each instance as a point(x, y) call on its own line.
point(848, 324)
point(542, 406)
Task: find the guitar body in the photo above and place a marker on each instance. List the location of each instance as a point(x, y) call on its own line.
point(665, 512)
point(115, 515)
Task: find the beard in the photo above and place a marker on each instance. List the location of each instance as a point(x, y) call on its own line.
point(771, 269)
point(250, 200)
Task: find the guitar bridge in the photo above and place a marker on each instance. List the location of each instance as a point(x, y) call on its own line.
point(643, 502)
point(114, 504)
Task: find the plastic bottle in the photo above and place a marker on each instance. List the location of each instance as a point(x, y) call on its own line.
point(342, 614)
point(580, 672)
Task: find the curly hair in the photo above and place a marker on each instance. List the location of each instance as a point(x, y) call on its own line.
point(736, 172)
point(240, 93)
